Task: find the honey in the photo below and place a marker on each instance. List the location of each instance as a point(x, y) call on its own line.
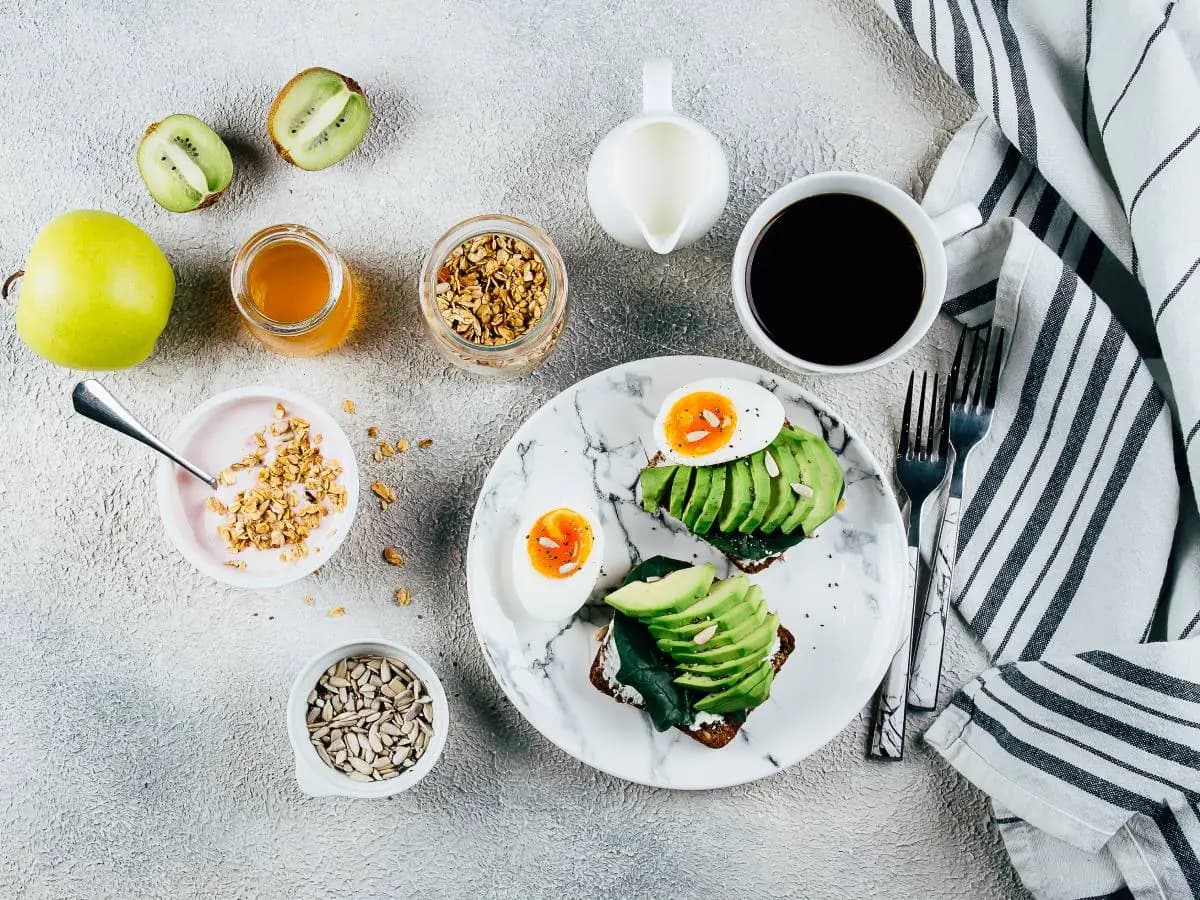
point(293, 291)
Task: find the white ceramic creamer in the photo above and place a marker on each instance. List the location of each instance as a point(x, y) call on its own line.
point(658, 181)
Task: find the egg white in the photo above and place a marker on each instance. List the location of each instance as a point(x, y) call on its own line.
point(554, 599)
point(760, 418)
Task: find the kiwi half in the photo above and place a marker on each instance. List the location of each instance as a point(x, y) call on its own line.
point(184, 163)
point(318, 118)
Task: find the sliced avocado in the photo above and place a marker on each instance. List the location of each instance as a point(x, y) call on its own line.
point(783, 497)
point(714, 670)
point(671, 593)
point(724, 595)
point(721, 637)
point(712, 506)
point(696, 496)
point(754, 643)
point(823, 473)
point(806, 474)
point(739, 496)
point(679, 490)
point(711, 684)
point(653, 482)
point(761, 482)
point(730, 615)
point(747, 693)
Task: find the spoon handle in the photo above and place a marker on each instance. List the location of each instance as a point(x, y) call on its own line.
point(93, 401)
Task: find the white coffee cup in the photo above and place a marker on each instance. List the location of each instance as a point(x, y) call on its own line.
point(929, 233)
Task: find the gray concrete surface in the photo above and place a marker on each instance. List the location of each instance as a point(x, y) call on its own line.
point(142, 746)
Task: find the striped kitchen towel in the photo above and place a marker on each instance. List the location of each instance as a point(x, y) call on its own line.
point(1079, 564)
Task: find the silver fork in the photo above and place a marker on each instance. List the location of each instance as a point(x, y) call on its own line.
point(921, 465)
point(973, 384)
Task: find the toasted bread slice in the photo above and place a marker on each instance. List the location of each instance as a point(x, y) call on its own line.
point(711, 734)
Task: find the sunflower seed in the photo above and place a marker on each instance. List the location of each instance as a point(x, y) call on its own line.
point(548, 543)
point(802, 490)
point(359, 766)
point(704, 636)
point(568, 567)
point(711, 418)
point(401, 755)
point(338, 682)
point(358, 671)
point(385, 671)
point(772, 466)
point(693, 436)
point(355, 776)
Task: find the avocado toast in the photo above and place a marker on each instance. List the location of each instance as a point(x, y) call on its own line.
point(753, 508)
point(691, 652)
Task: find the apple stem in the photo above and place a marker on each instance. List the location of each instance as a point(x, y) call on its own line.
point(8, 283)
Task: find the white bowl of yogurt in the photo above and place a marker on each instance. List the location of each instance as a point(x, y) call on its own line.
point(220, 432)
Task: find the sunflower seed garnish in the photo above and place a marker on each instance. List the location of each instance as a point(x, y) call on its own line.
point(711, 418)
point(772, 466)
point(370, 718)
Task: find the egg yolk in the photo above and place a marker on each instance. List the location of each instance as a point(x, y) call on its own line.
point(699, 423)
point(559, 543)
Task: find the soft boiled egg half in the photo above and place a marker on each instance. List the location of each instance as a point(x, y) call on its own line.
point(716, 420)
point(556, 558)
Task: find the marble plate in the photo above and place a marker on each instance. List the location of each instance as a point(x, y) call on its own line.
point(840, 593)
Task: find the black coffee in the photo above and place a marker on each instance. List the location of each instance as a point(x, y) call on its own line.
point(835, 279)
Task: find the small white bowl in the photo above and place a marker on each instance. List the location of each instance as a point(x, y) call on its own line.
point(319, 780)
point(219, 432)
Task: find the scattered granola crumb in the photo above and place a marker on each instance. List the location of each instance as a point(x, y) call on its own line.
point(402, 445)
point(348, 406)
point(216, 506)
point(403, 597)
point(280, 412)
point(393, 556)
point(236, 563)
point(227, 476)
point(372, 431)
point(309, 601)
point(383, 492)
point(425, 443)
point(387, 449)
point(378, 456)
point(337, 612)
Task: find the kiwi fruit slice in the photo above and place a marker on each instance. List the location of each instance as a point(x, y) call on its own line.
point(184, 163)
point(318, 118)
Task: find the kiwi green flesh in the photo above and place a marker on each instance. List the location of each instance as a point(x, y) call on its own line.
point(184, 163)
point(318, 119)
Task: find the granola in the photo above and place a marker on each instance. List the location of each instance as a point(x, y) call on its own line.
point(292, 493)
point(492, 288)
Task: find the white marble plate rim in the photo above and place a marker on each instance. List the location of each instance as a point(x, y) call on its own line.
point(751, 372)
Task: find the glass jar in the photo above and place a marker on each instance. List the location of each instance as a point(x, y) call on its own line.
point(273, 270)
point(526, 352)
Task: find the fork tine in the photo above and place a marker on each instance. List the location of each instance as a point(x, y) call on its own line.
point(955, 369)
point(921, 416)
point(994, 375)
point(968, 368)
point(983, 365)
point(933, 428)
point(906, 421)
point(944, 437)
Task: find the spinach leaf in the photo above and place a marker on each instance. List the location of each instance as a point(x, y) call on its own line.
point(755, 545)
point(654, 567)
point(650, 672)
point(644, 667)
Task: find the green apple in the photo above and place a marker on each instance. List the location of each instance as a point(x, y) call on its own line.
point(96, 292)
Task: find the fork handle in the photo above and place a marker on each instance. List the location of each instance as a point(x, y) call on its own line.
point(887, 734)
point(931, 626)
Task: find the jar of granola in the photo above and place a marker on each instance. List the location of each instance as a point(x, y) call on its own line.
point(493, 295)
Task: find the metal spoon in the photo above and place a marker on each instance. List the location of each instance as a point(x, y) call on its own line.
point(92, 400)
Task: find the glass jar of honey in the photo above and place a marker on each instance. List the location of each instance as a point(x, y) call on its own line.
point(293, 290)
